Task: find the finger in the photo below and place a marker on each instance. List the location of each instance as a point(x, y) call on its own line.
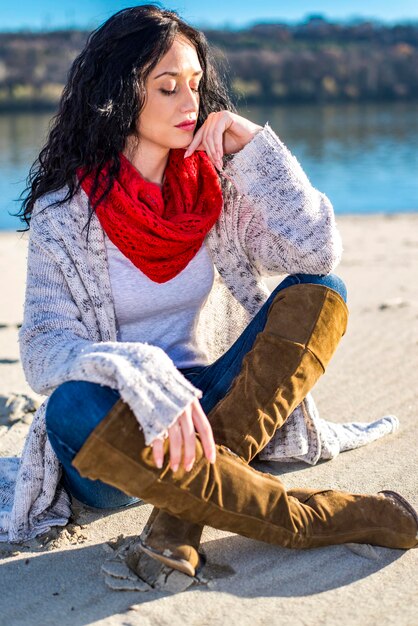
point(189, 438)
point(209, 140)
point(195, 142)
point(158, 452)
point(176, 440)
point(214, 141)
point(204, 429)
point(218, 134)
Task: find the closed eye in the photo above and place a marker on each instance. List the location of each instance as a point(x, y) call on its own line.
point(170, 93)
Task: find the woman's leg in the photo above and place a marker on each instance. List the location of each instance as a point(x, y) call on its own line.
point(216, 379)
point(232, 496)
point(249, 391)
point(74, 409)
point(94, 401)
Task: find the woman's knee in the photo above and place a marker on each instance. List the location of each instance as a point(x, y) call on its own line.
point(76, 407)
point(332, 281)
point(336, 282)
point(58, 405)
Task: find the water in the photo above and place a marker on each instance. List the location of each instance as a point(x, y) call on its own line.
point(364, 157)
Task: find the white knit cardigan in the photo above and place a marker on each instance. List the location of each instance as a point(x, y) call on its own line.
point(273, 222)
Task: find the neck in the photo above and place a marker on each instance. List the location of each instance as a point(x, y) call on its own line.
point(149, 159)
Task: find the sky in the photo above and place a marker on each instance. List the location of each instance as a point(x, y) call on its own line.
point(50, 14)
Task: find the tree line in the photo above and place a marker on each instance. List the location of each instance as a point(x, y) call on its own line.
point(315, 61)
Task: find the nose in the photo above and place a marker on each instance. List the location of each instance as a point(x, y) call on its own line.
point(190, 101)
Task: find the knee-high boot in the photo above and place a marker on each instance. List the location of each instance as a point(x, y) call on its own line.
point(231, 495)
point(304, 325)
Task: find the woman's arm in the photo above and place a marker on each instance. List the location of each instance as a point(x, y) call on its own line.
point(55, 347)
point(283, 222)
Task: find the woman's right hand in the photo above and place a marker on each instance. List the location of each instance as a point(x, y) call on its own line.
point(182, 437)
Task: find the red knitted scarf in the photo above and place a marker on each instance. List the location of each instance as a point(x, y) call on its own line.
point(160, 230)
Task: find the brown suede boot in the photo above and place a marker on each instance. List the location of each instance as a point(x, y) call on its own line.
point(172, 541)
point(180, 539)
point(304, 325)
point(232, 496)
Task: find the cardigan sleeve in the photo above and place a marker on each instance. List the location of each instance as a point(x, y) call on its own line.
point(55, 347)
point(283, 223)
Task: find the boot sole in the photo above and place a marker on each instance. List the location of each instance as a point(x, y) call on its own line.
point(179, 564)
point(408, 506)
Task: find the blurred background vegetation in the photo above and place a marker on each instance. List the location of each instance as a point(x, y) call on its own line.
point(342, 95)
point(316, 61)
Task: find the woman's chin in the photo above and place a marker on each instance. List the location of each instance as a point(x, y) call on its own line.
point(177, 145)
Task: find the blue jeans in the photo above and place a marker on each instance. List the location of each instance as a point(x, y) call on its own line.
point(75, 408)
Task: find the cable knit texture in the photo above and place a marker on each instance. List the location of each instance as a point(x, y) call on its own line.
point(272, 222)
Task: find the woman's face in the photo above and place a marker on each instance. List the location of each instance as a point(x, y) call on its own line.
point(171, 99)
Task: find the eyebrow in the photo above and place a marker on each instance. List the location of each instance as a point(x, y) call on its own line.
point(177, 74)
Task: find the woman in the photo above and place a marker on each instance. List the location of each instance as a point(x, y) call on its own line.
point(133, 337)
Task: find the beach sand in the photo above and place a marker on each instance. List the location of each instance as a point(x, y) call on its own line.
point(374, 373)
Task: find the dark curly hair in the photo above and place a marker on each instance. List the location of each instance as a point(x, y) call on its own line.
point(104, 95)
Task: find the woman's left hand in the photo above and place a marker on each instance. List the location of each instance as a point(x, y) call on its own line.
point(223, 132)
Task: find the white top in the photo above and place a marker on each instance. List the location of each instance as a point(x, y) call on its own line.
point(162, 314)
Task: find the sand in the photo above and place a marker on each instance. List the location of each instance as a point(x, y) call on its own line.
point(60, 579)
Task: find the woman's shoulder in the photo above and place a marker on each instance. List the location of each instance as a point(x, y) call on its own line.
point(50, 198)
point(54, 203)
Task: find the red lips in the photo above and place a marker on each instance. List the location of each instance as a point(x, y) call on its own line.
point(187, 124)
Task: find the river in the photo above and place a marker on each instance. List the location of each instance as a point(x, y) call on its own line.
point(364, 157)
